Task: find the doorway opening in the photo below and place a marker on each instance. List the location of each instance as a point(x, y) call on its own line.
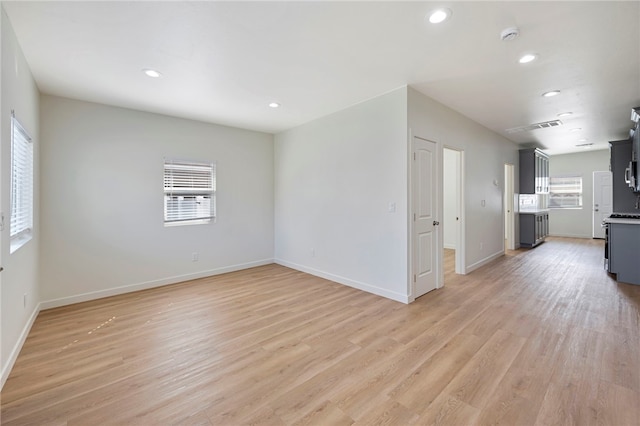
point(508, 196)
point(452, 194)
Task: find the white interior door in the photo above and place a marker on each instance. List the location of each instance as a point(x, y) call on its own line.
point(425, 223)
point(602, 200)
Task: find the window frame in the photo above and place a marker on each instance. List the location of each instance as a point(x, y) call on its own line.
point(21, 186)
point(189, 179)
point(569, 193)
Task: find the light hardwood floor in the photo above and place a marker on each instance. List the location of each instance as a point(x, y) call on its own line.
point(540, 336)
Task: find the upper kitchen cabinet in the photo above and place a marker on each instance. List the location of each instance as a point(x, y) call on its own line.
point(624, 199)
point(635, 135)
point(534, 171)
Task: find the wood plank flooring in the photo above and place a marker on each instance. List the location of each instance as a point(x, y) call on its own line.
point(540, 336)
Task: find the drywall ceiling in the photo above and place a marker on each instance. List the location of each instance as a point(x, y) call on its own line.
point(224, 62)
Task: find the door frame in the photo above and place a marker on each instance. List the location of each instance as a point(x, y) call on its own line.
point(438, 262)
point(593, 200)
point(460, 228)
point(509, 201)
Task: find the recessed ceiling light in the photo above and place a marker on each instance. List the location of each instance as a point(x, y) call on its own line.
point(439, 15)
point(529, 57)
point(583, 140)
point(575, 129)
point(152, 73)
point(565, 114)
point(551, 93)
point(274, 105)
point(585, 145)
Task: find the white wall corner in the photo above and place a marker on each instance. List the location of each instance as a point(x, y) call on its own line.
point(369, 288)
point(484, 261)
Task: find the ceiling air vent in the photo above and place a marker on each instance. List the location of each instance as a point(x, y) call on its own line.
point(535, 126)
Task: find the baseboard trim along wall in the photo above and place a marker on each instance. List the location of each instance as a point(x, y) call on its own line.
point(571, 235)
point(346, 281)
point(85, 297)
point(6, 369)
point(484, 261)
point(149, 284)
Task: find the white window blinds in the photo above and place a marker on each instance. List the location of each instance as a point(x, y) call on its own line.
point(189, 192)
point(21, 182)
point(565, 192)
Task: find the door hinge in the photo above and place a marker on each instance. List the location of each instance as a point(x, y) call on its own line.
point(414, 156)
point(414, 278)
point(414, 217)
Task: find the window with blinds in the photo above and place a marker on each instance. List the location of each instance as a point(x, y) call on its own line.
point(565, 192)
point(189, 192)
point(21, 223)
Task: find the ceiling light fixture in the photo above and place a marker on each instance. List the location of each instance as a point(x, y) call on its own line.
point(551, 93)
point(509, 34)
point(575, 129)
point(565, 114)
point(585, 145)
point(152, 73)
point(583, 140)
point(274, 105)
point(529, 57)
point(439, 15)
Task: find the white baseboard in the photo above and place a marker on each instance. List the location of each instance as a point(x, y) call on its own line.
point(84, 297)
point(484, 261)
point(398, 297)
point(571, 235)
point(6, 369)
point(63, 301)
point(13, 356)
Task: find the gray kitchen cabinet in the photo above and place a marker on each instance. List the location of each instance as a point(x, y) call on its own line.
point(534, 228)
point(624, 199)
point(624, 246)
point(534, 179)
point(534, 171)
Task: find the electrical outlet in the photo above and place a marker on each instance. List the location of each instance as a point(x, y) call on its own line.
point(481, 246)
point(195, 256)
point(24, 300)
point(313, 252)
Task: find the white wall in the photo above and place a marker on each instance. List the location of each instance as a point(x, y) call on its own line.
point(21, 270)
point(485, 154)
point(334, 180)
point(102, 200)
point(577, 222)
point(450, 197)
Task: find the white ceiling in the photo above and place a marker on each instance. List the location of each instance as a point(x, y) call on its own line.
point(224, 62)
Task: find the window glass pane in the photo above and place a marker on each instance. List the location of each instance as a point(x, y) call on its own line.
point(189, 192)
point(21, 220)
point(565, 192)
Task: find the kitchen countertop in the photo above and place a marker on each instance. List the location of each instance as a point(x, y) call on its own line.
point(622, 221)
